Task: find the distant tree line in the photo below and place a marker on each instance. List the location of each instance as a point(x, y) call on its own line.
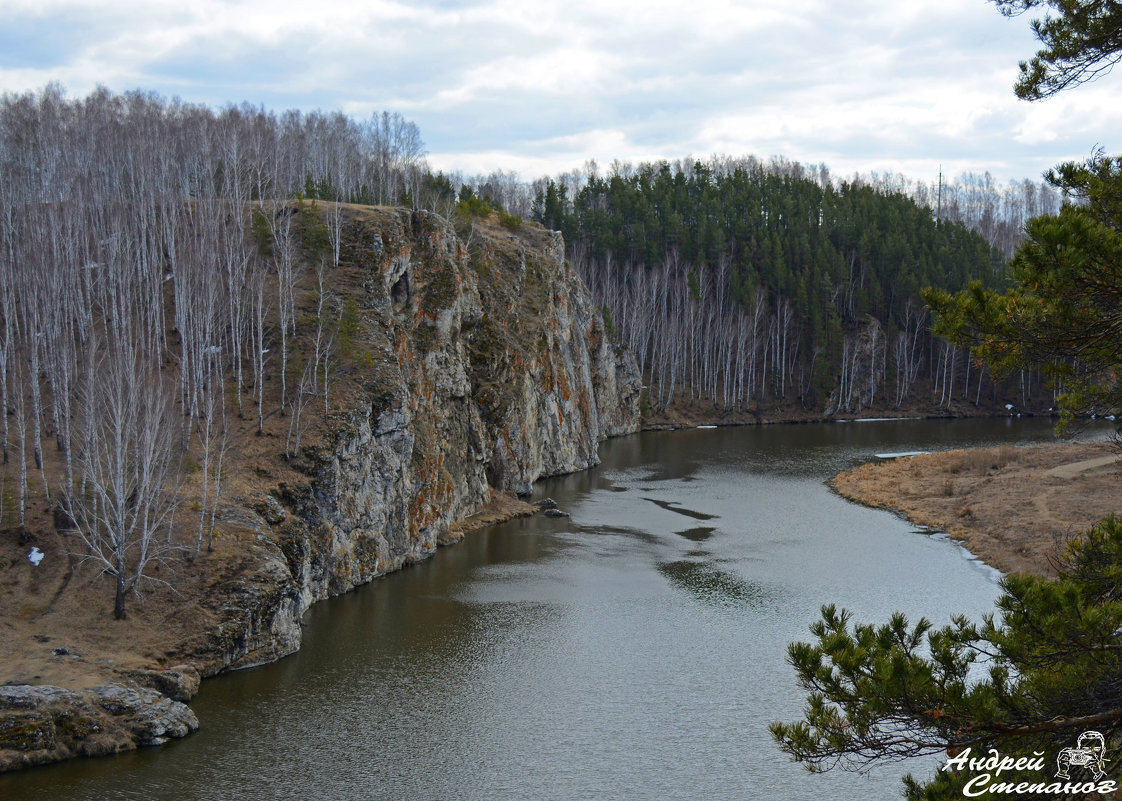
point(150, 258)
point(748, 284)
point(639, 230)
point(155, 257)
point(997, 212)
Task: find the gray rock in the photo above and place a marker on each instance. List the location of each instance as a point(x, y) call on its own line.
point(426, 445)
point(459, 396)
point(42, 723)
point(152, 717)
point(268, 507)
point(180, 683)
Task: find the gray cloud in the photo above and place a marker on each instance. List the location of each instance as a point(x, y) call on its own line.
point(869, 85)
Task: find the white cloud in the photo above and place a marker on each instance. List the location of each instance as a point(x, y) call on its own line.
point(534, 86)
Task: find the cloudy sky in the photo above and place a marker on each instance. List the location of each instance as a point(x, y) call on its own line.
point(858, 85)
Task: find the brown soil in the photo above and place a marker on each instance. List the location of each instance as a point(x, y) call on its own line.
point(65, 604)
point(499, 509)
point(1013, 507)
point(57, 625)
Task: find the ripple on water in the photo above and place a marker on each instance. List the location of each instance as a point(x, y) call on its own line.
point(712, 586)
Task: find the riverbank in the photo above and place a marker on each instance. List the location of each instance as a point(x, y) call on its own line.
point(688, 412)
point(468, 374)
point(1012, 507)
point(78, 683)
point(484, 660)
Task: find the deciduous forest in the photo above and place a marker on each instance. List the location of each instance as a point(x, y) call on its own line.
point(748, 285)
point(153, 253)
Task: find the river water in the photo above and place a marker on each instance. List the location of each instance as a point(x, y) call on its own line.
point(633, 651)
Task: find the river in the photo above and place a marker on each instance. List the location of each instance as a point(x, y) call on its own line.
point(633, 651)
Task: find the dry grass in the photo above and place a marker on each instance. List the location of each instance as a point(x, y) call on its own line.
point(63, 604)
point(998, 501)
point(979, 460)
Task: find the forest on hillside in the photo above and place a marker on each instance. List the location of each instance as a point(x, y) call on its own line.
point(154, 256)
point(748, 285)
point(151, 257)
point(744, 285)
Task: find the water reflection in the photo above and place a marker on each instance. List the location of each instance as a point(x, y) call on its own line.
point(672, 506)
point(712, 586)
point(610, 655)
point(700, 534)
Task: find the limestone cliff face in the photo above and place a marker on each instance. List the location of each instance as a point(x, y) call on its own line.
point(479, 362)
point(484, 364)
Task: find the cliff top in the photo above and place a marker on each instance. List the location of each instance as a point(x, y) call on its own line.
point(58, 627)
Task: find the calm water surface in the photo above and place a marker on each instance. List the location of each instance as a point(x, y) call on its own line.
point(634, 651)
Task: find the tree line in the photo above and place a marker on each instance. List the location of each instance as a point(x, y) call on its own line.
point(150, 260)
point(747, 284)
point(997, 212)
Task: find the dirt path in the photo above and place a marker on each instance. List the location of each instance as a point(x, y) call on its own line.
point(1014, 507)
point(1079, 468)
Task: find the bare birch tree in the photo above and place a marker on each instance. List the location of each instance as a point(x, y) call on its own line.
point(124, 508)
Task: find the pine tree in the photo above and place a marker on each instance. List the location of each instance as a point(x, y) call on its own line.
point(1029, 679)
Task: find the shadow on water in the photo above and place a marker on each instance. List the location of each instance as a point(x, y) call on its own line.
point(673, 506)
point(699, 534)
point(623, 531)
point(713, 587)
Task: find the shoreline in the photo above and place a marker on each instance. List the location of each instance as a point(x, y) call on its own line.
point(690, 414)
point(144, 708)
point(32, 717)
point(1012, 507)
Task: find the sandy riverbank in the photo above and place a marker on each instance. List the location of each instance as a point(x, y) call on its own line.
point(1014, 507)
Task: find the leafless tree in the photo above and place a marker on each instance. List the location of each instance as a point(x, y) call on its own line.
point(214, 442)
point(123, 510)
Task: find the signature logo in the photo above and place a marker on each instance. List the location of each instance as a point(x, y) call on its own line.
point(1088, 755)
point(1089, 752)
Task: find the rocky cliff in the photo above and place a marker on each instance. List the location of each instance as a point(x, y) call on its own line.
point(477, 364)
point(485, 367)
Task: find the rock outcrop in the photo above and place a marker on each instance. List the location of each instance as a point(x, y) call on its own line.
point(477, 363)
point(485, 366)
point(41, 724)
